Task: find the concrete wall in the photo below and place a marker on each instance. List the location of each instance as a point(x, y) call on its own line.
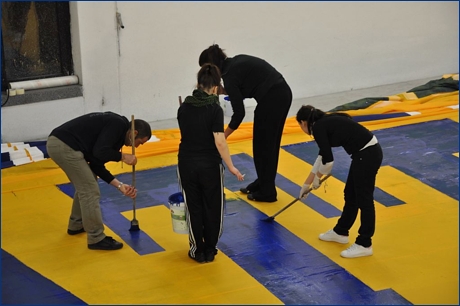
point(320, 48)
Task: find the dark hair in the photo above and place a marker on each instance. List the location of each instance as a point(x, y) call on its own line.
point(311, 114)
point(208, 76)
point(213, 55)
point(143, 128)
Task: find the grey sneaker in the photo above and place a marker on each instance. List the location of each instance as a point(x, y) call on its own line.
point(333, 236)
point(356, 250)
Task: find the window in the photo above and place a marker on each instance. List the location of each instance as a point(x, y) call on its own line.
point(35, 41)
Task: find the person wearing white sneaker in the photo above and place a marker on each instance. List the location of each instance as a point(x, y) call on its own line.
point(336, 129)
point(356, 250)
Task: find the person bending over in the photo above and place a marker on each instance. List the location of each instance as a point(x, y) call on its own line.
point(340, 130)
point(81, 147)
point(247, 76)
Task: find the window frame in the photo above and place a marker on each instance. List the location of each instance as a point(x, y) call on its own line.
point(62, 14)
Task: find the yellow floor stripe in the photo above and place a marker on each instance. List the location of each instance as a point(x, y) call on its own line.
point(122, 277)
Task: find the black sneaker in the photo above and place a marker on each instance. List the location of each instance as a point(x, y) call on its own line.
point(72, 232)
point(254, 186)
point(209, 255)
point(199, 257)
point(255, 196)
point(108, 243)
point(245, 190)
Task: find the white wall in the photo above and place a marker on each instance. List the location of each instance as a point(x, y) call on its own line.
point(320, 48)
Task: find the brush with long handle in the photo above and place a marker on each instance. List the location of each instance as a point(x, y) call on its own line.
point(271, 218)
point(134, 222)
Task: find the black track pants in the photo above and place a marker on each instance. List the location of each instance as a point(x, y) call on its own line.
point(202, 185)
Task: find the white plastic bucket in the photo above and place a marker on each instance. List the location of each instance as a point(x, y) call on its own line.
point(226, 105)
point(177, 208)
point(228, 109)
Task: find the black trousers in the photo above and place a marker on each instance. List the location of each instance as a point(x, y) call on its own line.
point(269, 118)
point(202, 185)
point(359, 194)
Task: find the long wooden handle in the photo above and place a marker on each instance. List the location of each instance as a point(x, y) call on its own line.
point(133, 146)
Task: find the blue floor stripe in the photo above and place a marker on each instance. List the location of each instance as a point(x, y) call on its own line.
point(424, 151)
point(22, 285)
point(291, 269)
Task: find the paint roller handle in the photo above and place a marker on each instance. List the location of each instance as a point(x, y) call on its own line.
point(133, 146)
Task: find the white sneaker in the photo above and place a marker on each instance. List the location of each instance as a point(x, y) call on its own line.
point(333, 236)
point(356, 250)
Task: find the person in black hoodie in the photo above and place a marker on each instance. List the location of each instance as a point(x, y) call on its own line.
point(200, 170)
point(247, 76)
point(81, 147)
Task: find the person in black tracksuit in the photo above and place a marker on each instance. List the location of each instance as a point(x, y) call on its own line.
point(340, 130)
point(246, 76)
point(200, 169)
point(81, 147)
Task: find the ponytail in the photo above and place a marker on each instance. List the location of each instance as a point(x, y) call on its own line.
point(208, 76)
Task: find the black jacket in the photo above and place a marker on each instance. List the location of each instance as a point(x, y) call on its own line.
point(244, 77)
point(99, 136)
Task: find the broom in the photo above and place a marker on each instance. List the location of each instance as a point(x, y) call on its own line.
point(134, 222)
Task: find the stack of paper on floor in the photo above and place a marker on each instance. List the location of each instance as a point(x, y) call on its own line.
point(21, 153)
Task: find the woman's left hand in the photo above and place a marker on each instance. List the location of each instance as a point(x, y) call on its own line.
point(237, 173)
point(316, 183)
